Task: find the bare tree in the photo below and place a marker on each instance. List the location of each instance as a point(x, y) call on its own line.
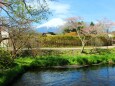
point(22, 11)
point(19, 34)
point(34, 10)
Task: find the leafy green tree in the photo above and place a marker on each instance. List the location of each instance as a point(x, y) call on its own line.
point(92, 24)
point(66, 30)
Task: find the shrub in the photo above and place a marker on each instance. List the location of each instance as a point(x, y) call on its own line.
point(5, 59)
point(70, 41)
point(50, 61)
point(100, 51)
point(26, 53)
point(82, 60)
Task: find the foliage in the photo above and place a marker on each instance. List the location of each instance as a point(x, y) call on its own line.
point(71, 34)
point(8, 75)
point(25, 10)
point(50, 61)
point(70, 41)
point(20, 66)
point(67, 30)
point(5, 59)
point(58, 41)
point(100, 51)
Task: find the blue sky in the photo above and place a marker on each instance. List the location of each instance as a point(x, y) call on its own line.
point(89, 10)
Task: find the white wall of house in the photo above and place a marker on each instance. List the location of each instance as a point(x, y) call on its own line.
point(4, 34)
point(4, 43)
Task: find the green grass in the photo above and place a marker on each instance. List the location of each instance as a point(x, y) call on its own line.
point(49, 61)
point(8, 75)
point(22, 64)
point(24, 61)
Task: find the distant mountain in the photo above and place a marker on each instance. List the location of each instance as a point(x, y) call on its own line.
point(49, 29)
point(51, 26)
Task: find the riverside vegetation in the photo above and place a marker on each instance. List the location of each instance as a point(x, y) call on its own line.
point(12, 68)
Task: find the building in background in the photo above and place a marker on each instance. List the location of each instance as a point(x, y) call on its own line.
point(5, 36)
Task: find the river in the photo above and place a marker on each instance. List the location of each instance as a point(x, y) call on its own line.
point(88, 76)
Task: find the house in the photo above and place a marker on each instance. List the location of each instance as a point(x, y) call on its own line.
point(48, 34)
point(4, 34)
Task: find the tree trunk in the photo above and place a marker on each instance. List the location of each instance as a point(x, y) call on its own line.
point(0, 37)
point(83, 46)
point(14, 52)
point(82, 41)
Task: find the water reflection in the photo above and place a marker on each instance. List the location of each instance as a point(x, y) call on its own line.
point(90, 76)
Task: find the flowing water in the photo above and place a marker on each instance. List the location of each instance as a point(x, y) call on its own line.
point(88, 76)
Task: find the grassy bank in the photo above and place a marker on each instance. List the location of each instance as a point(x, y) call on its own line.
point(22, 64)
point(8, 75)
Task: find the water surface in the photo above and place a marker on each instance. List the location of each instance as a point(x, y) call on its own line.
point(89, 76)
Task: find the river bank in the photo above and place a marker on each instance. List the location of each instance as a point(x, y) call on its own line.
point(22, 64)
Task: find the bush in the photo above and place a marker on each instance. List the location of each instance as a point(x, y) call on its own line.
point(70, 41)
point(59, 41)
point(25, 53)
point(100, 51)
point(50, 61)
point(5, 59)
point(82, 60)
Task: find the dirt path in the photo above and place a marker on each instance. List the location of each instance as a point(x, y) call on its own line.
point(78, 48)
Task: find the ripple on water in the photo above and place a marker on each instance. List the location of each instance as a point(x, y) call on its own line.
point(90, 76)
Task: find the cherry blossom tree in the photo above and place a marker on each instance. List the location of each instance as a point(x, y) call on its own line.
point(87, 32)
point(83, 30)
point(104, 27)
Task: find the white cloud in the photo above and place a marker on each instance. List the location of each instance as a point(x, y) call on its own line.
point(59, 9)
point(56, 22)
